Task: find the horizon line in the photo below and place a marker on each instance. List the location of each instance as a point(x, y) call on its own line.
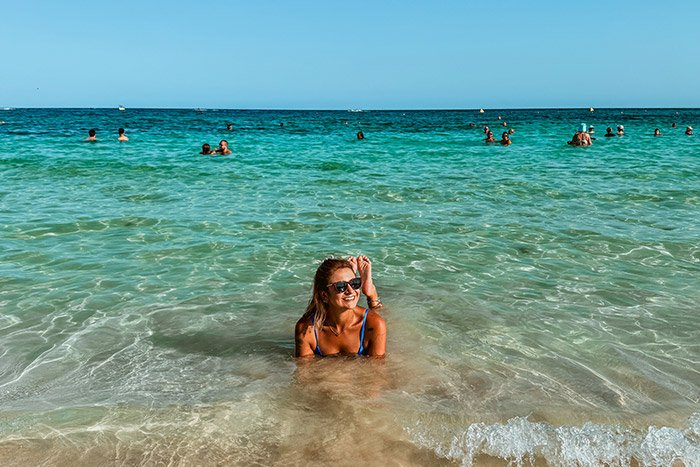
point(356, 110)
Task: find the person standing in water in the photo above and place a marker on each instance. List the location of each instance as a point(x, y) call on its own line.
point(505, 139)
point(360, 135)
point(122, 136)
point(92, 135)
point(689, 131)
point(333, 323)
point(581, 137)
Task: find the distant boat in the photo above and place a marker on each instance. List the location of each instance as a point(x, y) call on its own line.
point(355, 110)
point(481, 111)
point(200, 110)
point(8, 108)
point(122, 108)
point(591, 109)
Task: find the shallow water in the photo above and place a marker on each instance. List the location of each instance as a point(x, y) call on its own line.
point(541, 299)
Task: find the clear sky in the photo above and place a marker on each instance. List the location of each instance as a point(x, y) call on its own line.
point(327, 54)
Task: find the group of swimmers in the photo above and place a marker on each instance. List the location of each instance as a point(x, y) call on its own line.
point(583, 137)
point(92, 135)
point(222, 149)
point(505, 136)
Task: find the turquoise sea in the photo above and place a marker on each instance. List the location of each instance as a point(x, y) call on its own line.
point(541, 300)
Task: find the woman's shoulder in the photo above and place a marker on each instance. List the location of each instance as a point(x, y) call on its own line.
point(375, 323)
point(304, 325)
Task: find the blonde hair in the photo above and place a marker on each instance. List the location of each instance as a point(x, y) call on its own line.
point(317, 309)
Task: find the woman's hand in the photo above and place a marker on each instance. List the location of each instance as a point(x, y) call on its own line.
point(352, 260)
point(364, 265)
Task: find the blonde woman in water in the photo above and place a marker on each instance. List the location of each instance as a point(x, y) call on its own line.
point(333, 323)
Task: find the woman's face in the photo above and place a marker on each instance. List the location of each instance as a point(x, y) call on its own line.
point(347, 298)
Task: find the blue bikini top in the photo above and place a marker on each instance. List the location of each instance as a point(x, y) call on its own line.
point(362, 335)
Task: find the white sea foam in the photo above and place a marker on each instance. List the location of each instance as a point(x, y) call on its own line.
point(521, 442)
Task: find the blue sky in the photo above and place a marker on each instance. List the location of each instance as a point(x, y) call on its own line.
point(314, 54)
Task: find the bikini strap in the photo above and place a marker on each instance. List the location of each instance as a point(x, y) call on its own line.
point(362, 333)
point(317, 350)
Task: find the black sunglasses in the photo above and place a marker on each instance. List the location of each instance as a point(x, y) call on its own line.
point(340, 286)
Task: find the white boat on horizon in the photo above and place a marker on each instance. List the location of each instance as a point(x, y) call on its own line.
point(591, 109)
point(122, 108)
point(355, 110)
point(481, 111)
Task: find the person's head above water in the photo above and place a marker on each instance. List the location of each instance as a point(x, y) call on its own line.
point(321, 293)
point(505, 139)
point(92, 133)
point(223, 148)
point(657, 132)
point(206, 149)
point(121, 131)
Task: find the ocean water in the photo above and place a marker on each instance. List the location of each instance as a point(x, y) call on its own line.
point(541, 300)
